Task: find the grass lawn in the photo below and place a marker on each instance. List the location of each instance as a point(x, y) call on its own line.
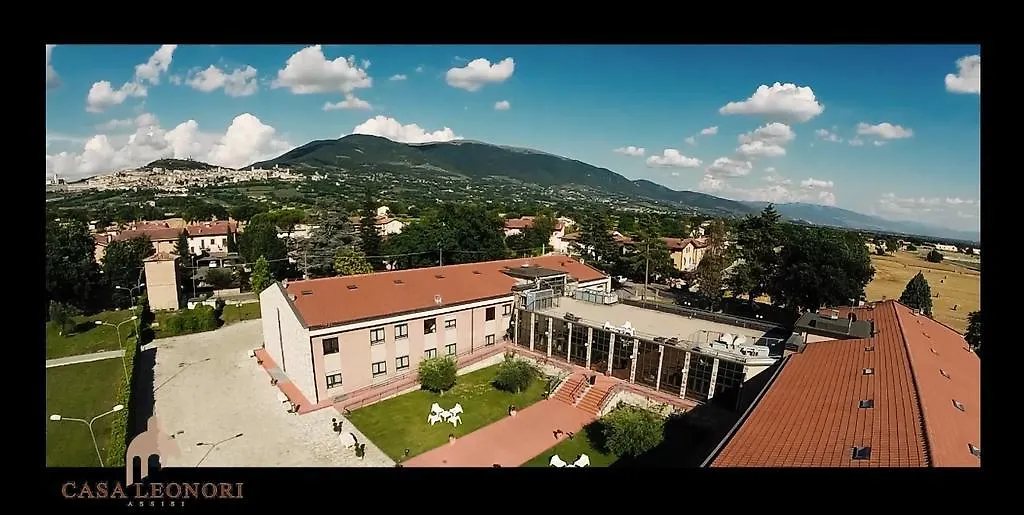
point(80, 391)
point(88, 337)
point(401, 423)
point(955, 284)
point(588, 440)
point(230, 315)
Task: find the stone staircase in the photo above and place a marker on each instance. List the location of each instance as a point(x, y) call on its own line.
point(594, 396)
point(577, 391)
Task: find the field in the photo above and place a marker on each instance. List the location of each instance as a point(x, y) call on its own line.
point(955, 285)
point(80, 391)
point(87, 336)
point(401, 423)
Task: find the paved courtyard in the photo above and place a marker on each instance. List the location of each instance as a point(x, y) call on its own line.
point(208, 390)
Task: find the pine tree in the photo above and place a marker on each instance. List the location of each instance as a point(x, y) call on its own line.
point(973, 335)
point(918, 295)
point(260, 278)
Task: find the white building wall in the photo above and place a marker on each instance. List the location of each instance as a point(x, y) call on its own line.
point(286, 340)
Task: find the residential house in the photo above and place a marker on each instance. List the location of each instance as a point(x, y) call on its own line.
point(385, 225)
point(162, 285)
point(686, 253)
point(299, 232)
point(556, 242)
point(210, 237)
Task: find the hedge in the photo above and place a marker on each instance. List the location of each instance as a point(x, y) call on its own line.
point(118, 447)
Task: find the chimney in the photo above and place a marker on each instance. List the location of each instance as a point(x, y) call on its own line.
point(437, 300)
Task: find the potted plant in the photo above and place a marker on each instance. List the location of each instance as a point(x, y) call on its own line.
point(360, 450)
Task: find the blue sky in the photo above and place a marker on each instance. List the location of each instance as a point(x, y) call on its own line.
point(886, 130)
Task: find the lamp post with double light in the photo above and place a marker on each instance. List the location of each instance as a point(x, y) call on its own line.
point(120, 342)
point(89, 423)
point(214, 445)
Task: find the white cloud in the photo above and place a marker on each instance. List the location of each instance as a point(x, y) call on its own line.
point(766, 141)
point(856, 142)
point(783, 101)
point(691, 140)
point(393, 130)
point(52, 79)
point(366, 63)
point(826, 198)
point(398, 76)
point(480, 72)
point(158, 64)
point(827, 135)
point(308, 71)
point(710, 131)
point(245, 141)
point(672, 158)
point(351, 102)
point(729, 167)
point(967, 79)
point(816, 184)
point(777, 179)
point(946, 210)
point(878, 143)
point(103, 96)
point(419, 69)
point(631, 151)
point(241, 82)
point(770, 169)
point(502, 105)
point(884, 130)
point(177, 80)
point(142, 120)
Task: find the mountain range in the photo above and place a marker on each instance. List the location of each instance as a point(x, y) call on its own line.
point(474, 159)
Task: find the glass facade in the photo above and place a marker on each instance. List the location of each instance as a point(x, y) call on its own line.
point(560, 340)
point(578, 354)
point(647, 364)
point(698, 381)
point(599, 353)
point(622, 357)
point(672, 370)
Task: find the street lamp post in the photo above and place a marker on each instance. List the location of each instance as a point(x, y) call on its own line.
point(120, 343)
point(214, 445)
point(88, 423)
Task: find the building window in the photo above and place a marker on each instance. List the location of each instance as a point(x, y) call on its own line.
point(489, 314)
point(402, 363)
point(489, 339)
point(333, 380)
point(506, 310)
point(430, 326)
point(401, 331)
point(450, 349)
point(330, 346)
point(379, 368)
point(376, 336)
point(430, 353)
point(449, 324)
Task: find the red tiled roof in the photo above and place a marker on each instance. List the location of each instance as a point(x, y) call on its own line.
point(810, 415)
point(101, 239)
point(519, 223)
point(162, 256)
point(218, 228)
point(675, 244)
point(154, 233)
point(332, 302)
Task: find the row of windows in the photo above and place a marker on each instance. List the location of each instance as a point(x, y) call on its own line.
point(377, 336)
point(401, 363)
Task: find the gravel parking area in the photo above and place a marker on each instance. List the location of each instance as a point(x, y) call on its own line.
point(207, 390)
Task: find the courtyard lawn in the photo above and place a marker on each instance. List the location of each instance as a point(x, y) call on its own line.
point(401, 423)
point(232, 314)
point(88, 337)
point(588, 440)
point(80, 391)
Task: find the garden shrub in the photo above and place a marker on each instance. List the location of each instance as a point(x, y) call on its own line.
point(437, 374)
point(632, 431)
point(117, 449)
point(202, 318)
point(514, 374)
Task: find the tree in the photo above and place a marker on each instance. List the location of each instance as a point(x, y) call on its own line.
point(911, 247)
point(62, 317)
point(245, 211)
point(351, 262)
point(232, 241)
point(370, 239)
point(918, 294)
point(515, 375)
point(72, 274)
point(332, 235)
point(219, 278)
point(181, 246)
point(651, 260)
point(934, 256)
point(437, 374)
point(596, 241)
point(711, 269)
point(632, 431)
point(260, 239)
point(260, 279)
point(533, 238)
point(123, 267)
point(757, 239)
point(626, 223)
point(973, 335)
point(820, 267)
point(463, 233)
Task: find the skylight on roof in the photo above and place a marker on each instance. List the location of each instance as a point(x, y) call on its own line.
point(959, 405)
point(975, 450)
point(861, 453)
point(869, 348)
point(869, 403)
point(439, 276)
point(307, 292)
point(399, 281)
point(352, 287)
point(476, 272)
point(944, 373)
point(869, 371)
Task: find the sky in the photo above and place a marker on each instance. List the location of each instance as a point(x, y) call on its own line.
point(887, 130)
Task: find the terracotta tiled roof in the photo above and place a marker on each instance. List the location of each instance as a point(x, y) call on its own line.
point(333, 302)
point(675, 244)
point(810, 416)
point(218, 228)
point(575, 236)
point(101, 239)
point(154, 233)
point(162, 256)
point(526, 222)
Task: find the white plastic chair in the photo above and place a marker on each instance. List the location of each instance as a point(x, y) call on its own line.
point(348, 440)
point(457, 410)
point(455, 420)
point(740, 340)
point(556, 461)
point(583, 461)
point(445, 414)
point(433, 418)
point(435, 408)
